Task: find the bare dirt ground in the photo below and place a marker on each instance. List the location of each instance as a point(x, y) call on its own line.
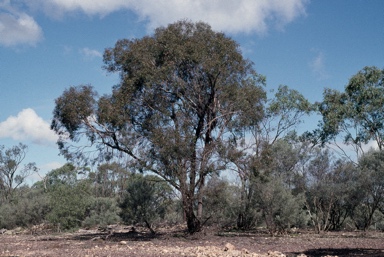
point(120, 241)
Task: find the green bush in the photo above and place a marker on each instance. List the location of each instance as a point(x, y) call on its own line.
point(220, 202)
point(280, 208)
point(145, 201)
point(29, 209)
point(7, 216)
point(102, 211)
point(69, 205)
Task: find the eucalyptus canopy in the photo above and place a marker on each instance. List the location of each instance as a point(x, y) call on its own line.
point(357, 113)
point(184, 92)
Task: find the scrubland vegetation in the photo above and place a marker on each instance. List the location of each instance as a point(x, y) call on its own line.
point(190, 137)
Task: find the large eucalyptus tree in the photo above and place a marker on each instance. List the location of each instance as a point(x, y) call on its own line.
point(184, 92)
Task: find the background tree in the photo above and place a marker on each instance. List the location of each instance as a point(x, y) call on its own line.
point(221, 201)
point(280, 209)
point(277, 192)
point(109, 180)
point(183, 93)
point(65, 175)
point(69, 197)
point(370, 189)
point(345, 185)
point(253, 157)
point(356, 114)
point(330, 190)
point(12, 173)
point(320, 196)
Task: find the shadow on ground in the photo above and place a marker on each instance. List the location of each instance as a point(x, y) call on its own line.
point(344, 252)
point(127, 236)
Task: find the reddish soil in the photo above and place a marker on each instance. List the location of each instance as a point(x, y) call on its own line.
point(122, 242)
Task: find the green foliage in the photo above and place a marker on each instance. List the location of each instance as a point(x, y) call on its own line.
point(221, 202)
point(355, 113)
point(146, 200)
point(184, 91)
point(273, 191)
point(102, 211)
point(109, 179)
point(69, 197)
point(174, 214)
point(69, 205)
point(12, 173)
point(330, 190)
point(273, 149)
point(345, 187)
point(377, 221)
point(285, 111)
point(65, 175)
point(61, 199)
point(248, 214)
point(280, 208)
point(73, 108)
point(319, 191)
point(30, 208)
point(370, 184)
point(281, 160)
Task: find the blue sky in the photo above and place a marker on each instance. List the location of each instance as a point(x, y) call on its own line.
point(47, 46)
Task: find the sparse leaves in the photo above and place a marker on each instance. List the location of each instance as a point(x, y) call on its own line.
point(357, 113)
point(12, 173)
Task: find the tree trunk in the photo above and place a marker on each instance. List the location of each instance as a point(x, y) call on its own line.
point(149, 227)
point(200, 207)
point(193, 223)
point(240, 220)
point(200, 194)
point(243, 221)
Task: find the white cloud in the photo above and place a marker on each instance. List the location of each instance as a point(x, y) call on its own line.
point(234, 16)
point(90, 53)
point(229, 16)
point(224, 15)
point(27, 125)
point(318, 65)
point(91, 7)
point(17, 27)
